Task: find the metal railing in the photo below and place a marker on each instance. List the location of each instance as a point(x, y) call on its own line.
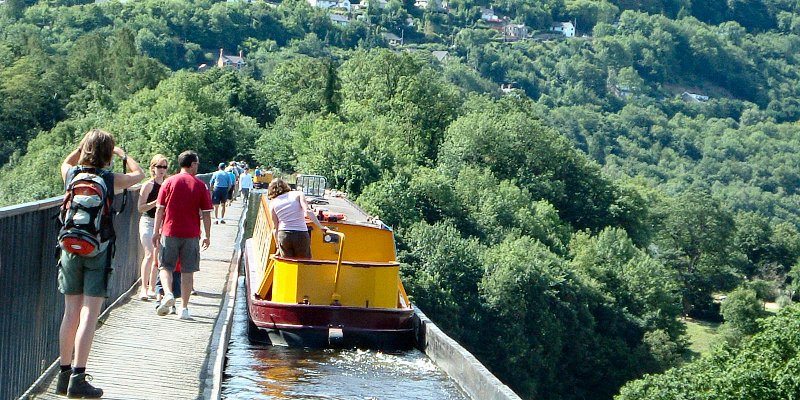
point(31, 307)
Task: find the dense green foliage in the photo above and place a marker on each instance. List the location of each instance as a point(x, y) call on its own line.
point(558, 232)
point(763, 367)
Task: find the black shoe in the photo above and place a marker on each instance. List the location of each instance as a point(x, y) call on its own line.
point(63, 382)
point(80, 389)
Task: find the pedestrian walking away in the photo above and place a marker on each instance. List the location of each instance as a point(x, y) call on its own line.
point(219, 183)
point(86, 259)
point(245, 184)
point(182, 201)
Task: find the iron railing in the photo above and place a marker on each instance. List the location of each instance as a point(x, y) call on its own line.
point(31, 307)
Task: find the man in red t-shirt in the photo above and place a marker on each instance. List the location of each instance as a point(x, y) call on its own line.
point(181, 201)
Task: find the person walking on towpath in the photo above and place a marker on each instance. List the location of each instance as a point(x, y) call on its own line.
point(83, 279)
point(147, 206)
point(181, 202)
point(220, 181)
point(245, 183)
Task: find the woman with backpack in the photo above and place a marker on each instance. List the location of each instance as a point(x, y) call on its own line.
point(147, 206)
point(84, 268)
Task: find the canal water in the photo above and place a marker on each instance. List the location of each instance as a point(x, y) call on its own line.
point(271, 372)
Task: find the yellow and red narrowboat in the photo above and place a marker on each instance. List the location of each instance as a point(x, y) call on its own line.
point(349, 294)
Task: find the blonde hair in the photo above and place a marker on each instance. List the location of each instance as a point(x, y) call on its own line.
point(155, 160)
point(97, 148)
point(276, 188)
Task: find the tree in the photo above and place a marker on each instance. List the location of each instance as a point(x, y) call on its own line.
point(694, 240)
point(522, 148)
point(442, 270)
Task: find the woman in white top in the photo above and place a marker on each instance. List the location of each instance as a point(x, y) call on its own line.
point(147, 206)
point(289, 209)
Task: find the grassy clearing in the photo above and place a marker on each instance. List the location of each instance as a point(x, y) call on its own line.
point(702, 335)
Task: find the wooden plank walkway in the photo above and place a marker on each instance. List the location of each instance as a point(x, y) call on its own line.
point(139, 355)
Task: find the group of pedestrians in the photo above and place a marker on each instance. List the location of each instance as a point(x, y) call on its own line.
point(226, 183)
point(170, 232)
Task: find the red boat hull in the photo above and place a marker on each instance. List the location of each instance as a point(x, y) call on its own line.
point(303, 325)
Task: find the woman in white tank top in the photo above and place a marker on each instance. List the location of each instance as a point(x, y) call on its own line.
point(289, 209)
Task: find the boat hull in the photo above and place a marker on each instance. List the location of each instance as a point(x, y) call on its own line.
point(303, 325)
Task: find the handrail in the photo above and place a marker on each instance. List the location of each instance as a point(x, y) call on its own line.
point(355, 264)
point(335, 296)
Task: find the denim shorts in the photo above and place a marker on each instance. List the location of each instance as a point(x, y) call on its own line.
point(84, 275)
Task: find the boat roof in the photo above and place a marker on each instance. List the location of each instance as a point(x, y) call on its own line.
point(340, 205)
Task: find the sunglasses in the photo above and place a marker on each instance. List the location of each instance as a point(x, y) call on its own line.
point(161, 166)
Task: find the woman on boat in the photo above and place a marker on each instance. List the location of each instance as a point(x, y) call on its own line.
point(288, 209)
point(147, 206)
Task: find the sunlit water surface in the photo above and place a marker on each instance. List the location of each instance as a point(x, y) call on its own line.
point(269, 372)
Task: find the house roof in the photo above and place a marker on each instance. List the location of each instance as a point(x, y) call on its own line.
point(391, 36)
point(234, 59)
point(339, 18)
point(440, 55)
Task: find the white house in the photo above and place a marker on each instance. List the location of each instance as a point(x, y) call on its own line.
point(693, 97)
point(507, 88)
point(488, 15)
point(230, 61)
point(423, 4)
point(566, 28)
point(326, 4)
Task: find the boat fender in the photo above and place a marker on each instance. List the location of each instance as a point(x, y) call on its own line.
point(335, 336)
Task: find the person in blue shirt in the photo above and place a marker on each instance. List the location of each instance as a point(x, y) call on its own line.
point(220, 182)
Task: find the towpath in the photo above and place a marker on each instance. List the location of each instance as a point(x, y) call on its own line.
point(139, 355)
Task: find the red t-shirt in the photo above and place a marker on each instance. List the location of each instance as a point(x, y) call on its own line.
point(183, 197)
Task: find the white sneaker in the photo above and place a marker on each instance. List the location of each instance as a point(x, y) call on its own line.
point(143, 295)
point(167, 302)
point(185, 314)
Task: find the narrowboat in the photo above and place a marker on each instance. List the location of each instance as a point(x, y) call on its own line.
point(349, 294)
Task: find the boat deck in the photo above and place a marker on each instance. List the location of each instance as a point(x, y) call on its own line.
point(139, 355)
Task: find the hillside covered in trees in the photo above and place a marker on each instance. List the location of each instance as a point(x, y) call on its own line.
point(559, 230)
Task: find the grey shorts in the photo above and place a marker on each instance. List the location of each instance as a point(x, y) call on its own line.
point(185, 249)
point(294, 244)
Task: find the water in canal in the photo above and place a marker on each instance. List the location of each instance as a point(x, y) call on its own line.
point(269, 372)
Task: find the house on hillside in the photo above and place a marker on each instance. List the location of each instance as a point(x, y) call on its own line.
point(337, 19)
point(441, 56)
point(514, 32)
point(508, 87)
point(693, 97)
point(488, 15)
point(381, 4)
point(566, 28)
point(230, 61)
point(624, 91)
point(441, 6)
point(392, 39)
point(327, 4)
